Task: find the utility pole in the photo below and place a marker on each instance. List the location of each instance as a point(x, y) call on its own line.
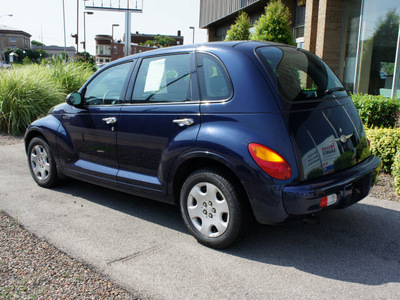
point(65, 35)
point(127, 8)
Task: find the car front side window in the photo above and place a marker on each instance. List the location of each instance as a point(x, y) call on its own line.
point(107, 87)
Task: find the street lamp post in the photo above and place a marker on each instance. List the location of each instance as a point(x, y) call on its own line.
point(191, 27)
point(84, 28)
point(65, 35)
point(77, 28)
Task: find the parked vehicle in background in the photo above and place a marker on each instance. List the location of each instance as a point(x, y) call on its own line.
point(5, 65)
point(228, 131)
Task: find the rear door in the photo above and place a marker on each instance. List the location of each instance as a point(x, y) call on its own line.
point(160, 122)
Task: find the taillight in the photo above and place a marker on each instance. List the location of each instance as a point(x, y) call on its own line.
point(270, 162)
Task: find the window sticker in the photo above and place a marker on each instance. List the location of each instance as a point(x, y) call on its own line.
point(155, 75)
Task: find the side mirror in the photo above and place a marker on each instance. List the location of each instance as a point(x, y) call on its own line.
point(74, 99)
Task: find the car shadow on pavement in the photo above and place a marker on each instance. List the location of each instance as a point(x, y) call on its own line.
point(360, 244)
point(153, 211)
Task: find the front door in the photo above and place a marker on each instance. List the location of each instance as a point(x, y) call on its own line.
point(92, 128)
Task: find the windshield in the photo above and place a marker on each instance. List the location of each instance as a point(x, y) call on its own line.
point(300, 75)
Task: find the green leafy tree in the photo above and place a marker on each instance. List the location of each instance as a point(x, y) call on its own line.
point(34, 55)
point(148, 43)
point(164, 41)
point(274, 24)
point(240, 31)
point(33, 42)
point(86, 59)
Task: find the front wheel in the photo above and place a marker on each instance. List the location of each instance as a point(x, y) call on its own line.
point(213, 210)
point(41, 163)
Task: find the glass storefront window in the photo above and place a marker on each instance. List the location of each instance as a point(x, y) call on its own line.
point(370, 46)
point(379, 34)
point(396, 84)
point(351, 31)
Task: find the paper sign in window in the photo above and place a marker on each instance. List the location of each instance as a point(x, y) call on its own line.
point(155, 75)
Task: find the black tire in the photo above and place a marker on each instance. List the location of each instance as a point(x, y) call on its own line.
point(41, 163)
point(214, 211)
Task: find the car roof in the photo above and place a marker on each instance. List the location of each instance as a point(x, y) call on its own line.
point(248, 45)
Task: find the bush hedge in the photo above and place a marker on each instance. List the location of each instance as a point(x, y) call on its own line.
point(377, 111)
point(28, 92)
point(70, 76)
point(384, 144)
point(396, 172)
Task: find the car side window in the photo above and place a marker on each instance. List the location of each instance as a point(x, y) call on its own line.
point(214, 81)
point(106, 88)
point(163, 79)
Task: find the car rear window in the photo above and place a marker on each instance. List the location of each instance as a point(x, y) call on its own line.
point(300, 75)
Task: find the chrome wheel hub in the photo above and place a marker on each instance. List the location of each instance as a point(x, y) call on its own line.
point(208, 209)
point(40, 162)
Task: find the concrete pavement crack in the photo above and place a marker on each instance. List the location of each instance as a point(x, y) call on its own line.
point(136, 254)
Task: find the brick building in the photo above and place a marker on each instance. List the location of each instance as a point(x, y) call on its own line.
point(140, 38)
point(13, 38)
point(108, 50)
point(358, 39)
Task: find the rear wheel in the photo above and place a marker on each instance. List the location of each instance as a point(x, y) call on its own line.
point(213, 210)
point(41, 163)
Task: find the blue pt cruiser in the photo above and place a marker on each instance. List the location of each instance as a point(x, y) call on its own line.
point(228, 131)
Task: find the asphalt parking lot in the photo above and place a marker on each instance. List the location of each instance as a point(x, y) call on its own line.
point(143, 245)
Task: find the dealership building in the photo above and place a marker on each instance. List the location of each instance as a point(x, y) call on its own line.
point(358, 39)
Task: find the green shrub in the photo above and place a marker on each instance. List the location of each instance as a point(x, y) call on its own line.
point(240, 30)
point(29, 92)
point(377, 111)
point(396, 172)
point(26, 94)
point(384, 144)
point(71, 76)
point(274, 25)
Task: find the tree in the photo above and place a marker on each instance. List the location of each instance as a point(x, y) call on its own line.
point(240, 31)
point(164, 41)
point(85, 57)
point(148, 43)
point(37, 43)
point(34, 55)
point(274, 24)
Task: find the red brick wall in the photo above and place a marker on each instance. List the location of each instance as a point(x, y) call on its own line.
point(329, 32)
point(323, 30)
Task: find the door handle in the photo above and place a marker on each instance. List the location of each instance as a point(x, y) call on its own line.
point(183, 122)
point(110, 120)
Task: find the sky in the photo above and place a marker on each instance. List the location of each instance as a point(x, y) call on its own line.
point(43, 19)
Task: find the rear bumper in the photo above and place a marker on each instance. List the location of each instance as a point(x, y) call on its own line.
point(350, 186)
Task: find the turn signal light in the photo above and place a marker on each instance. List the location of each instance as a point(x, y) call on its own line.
point(270, 162)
